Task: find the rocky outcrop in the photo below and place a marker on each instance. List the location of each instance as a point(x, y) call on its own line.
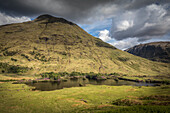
point(155, 51)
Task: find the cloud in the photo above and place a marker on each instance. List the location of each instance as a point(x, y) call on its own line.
point(104, 35)
point(81, 11)
point(148, 22)
point(5, 19)
point(124, 25)
point(130, 42)
point(120, 44)
point(126, 43)
point(141, 20)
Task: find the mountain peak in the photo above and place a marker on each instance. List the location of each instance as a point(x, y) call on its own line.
point(45, 16)
point(52, 19)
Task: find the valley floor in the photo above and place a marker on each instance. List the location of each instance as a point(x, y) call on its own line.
point(20, 98)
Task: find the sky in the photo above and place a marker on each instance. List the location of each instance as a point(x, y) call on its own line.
point(121, 23)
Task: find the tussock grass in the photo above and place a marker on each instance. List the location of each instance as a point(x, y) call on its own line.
point(20, 98)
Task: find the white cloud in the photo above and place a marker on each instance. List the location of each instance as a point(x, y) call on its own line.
point(5, 19)
point(126, 43)
point(145, 23)
point(104, 35)
point(124, 25)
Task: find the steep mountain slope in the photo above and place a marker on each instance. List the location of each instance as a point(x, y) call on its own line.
point(55, 44)
point(156, 51)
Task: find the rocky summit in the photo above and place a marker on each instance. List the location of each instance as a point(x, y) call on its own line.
point(156, 51)
point(51, 44)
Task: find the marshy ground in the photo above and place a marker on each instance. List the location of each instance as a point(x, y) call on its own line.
point(20, 98)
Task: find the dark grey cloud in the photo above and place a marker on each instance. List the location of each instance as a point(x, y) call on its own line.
point(17, 8)
point(139, 19)
point(76, 10)
point(82, 11)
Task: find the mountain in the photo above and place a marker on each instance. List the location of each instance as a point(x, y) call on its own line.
point(155, 51)
point(54, 44)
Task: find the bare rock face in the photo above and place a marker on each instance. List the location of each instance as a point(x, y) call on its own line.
point(155, 51)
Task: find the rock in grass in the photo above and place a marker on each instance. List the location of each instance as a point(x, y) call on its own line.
point(84, 100)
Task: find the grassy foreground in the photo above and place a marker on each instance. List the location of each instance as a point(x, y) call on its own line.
point(19, 98)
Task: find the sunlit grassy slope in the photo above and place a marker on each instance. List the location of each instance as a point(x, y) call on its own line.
point(55, 44)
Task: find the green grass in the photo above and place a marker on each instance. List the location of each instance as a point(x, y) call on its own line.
point(10, 77)
point(137, 109)
point(17, 98)
point(162, 79)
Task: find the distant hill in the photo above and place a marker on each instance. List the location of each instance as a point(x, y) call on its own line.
point(54, 44)
point(155, 51)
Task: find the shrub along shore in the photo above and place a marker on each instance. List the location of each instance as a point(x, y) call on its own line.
point(102, 76)
point(61, 76)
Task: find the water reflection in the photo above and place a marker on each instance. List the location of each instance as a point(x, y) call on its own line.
point(53, 85)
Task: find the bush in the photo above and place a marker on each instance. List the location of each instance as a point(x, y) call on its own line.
point(56, 76)
point(27, 57)
point(13, 59)
point(123, 59)
point(50, 75)
point(38, 56)
point(116, 74)
point(17, 69)
point(13, 69)
point(10, 53)
point(32, 52)
point(75, 74)
point(64, 74)
point(35, 48)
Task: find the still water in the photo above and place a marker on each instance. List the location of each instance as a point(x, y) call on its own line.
point(54, 85)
